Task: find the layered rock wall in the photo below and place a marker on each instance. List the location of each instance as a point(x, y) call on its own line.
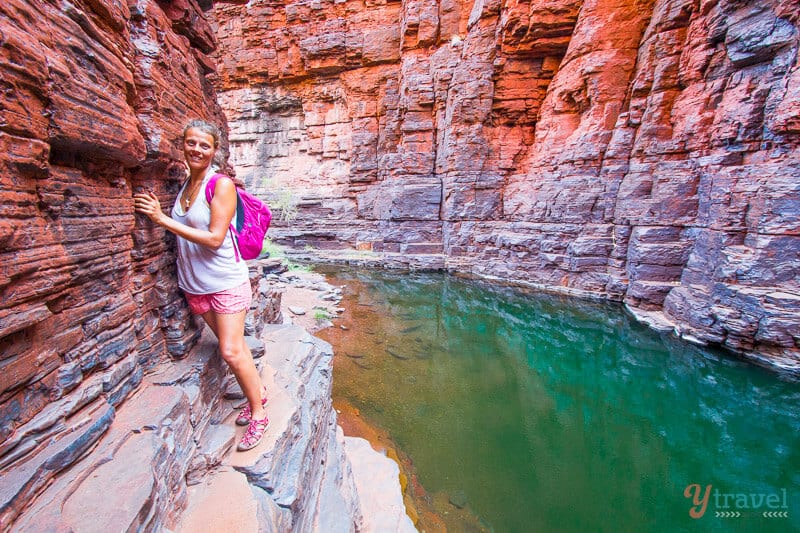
point(94, 97)
point(641, 151)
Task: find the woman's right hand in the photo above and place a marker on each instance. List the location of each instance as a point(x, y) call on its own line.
point(148, 204)
point(223, 206)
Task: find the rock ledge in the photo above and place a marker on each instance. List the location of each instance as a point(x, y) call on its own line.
point(167, 462)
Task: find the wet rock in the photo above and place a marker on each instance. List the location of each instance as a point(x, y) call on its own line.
point(397, 355)
point(458, 498)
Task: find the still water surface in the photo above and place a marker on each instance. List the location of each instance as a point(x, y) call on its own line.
point(543, 413)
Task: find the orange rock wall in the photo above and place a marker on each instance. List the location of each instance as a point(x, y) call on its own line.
point(94, 97)
point(643, 151)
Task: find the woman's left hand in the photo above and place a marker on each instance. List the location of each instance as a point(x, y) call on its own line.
point(148, 204)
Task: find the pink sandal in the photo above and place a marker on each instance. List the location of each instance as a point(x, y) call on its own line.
point(245, 414)
point(255, 431)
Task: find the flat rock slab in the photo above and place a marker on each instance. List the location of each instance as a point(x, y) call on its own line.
point(378, 484)
point(245, 510)
point(117, 492)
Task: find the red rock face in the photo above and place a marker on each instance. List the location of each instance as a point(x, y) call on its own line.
point(642, 151)
point(94, 96)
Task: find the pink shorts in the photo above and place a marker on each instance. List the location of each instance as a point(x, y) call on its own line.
point(229, 301)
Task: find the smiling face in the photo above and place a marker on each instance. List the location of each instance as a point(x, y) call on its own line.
point(198, 149)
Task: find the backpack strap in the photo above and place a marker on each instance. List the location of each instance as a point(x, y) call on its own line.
point(210, 188)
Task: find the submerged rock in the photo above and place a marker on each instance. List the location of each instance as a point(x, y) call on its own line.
point(458, 498)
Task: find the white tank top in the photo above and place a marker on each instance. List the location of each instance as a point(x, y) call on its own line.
point(203, 270)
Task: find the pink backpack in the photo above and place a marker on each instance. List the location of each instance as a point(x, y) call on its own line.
point(251, 223)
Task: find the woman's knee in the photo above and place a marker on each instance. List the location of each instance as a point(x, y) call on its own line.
point(232, 352)
point(231, 338)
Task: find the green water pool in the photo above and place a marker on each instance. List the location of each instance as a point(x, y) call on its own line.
point(545, 413)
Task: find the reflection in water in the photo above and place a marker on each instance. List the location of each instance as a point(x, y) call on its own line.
point(543, 413)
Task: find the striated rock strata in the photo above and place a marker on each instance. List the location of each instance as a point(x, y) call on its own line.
point(94, 97)
point(641, 151)
point(165, 437)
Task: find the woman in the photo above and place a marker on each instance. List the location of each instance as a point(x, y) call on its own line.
point(215, 281)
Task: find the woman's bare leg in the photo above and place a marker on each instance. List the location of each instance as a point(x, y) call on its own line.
point(229, 329)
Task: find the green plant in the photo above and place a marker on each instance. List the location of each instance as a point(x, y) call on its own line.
point(297, 267)
point(282, 201)
point(321, 314)
point(274, 250)
point(279, 252)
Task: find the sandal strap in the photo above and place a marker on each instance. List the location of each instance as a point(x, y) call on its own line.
point(246, 413)
point(255, 430)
